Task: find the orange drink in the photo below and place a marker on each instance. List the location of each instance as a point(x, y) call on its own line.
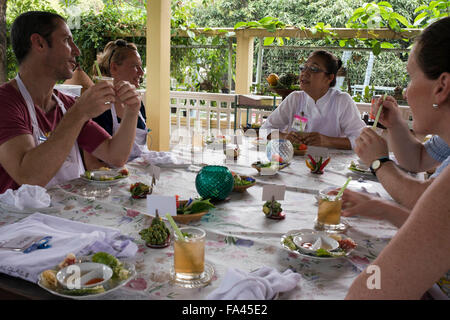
point(189, 254)
point(329, 212)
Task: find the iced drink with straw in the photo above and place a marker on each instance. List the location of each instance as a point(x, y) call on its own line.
point(189, 257)
point(97, 79)
point(189, 253)
point(100, 77)
point(329, 212)
point(329, 209)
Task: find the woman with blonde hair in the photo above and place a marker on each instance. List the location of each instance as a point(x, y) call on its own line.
point(120, 60)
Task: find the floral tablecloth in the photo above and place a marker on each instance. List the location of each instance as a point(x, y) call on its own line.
point(238, 233)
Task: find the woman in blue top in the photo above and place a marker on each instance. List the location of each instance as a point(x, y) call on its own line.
point(121, 61)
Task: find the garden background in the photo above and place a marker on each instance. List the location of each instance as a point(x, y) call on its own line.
point(201, 63)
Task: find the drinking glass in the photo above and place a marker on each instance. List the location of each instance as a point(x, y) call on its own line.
point(329, 212)
point(190, 269)
point(103, 78)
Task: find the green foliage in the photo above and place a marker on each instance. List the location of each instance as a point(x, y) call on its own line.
point(366, 96)
point(269, 23)
point(91, 37)
point(13, 10)
point(429, 13)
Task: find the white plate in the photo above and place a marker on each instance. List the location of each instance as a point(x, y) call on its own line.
point(12, 209)
point(109, 286)
point(98, 173)
point(308, 256)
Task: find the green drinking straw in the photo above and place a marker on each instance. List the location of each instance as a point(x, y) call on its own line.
point(343, 187)
point(175, 227)
point(98, 69)
point(378, 113)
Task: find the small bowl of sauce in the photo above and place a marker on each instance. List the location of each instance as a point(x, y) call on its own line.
point(84, 275)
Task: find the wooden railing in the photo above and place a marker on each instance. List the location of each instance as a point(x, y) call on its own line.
point(216, 111)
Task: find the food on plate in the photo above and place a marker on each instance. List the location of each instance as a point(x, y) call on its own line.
point(300, 146)
point(345, 246)
point(355, 167)
point(157, 233)
point(139, 190)
point(300, 149)
point(104, 169)
point(316, 166)
point(83, 291)
point(119, 272)
point(123, 173)
point(68, 260)
point(194, 206)
point(259, 164)
point(242, 181)
point(49, 279)
point(272, 209)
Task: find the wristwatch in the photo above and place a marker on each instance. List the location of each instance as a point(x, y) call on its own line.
point(377, 164)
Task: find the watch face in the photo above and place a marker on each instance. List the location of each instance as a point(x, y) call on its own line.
point(376, 164)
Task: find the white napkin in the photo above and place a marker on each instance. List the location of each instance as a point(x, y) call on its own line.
point(162, 159)
point(262, 284)
point(68, 237)
point(27, 196)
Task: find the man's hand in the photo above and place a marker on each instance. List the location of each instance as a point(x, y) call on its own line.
point(95, 100)
point(370, 146)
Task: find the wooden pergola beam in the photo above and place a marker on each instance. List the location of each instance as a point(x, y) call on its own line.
point(306, 33)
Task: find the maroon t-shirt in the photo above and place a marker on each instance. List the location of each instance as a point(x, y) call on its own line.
point(15, 120)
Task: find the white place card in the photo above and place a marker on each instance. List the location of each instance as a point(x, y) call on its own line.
point(156, 171)
point(164, 205)
point(273, 192)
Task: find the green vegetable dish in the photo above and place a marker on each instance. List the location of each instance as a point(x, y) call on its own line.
point(157, 234)
point(238, 181)
point(194, 206)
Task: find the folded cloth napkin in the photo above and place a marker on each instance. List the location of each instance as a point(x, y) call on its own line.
point(262, 284)
point(68, 237)
point(162, 159)
point(27, 196)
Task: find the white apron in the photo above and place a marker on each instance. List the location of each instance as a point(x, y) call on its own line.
point(73, 166)
point(140, 140)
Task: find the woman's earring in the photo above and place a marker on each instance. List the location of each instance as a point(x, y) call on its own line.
point(435, 105)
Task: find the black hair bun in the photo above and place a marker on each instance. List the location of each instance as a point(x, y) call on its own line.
point(339, 64)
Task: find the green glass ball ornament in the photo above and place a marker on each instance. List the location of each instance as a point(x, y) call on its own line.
point(214, 182)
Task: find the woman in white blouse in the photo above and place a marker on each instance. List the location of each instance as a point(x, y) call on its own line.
point(332, 118)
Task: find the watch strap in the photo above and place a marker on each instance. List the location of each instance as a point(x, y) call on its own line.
point(382, 160)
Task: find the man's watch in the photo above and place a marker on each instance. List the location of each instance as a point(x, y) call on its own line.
point(377, 164)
